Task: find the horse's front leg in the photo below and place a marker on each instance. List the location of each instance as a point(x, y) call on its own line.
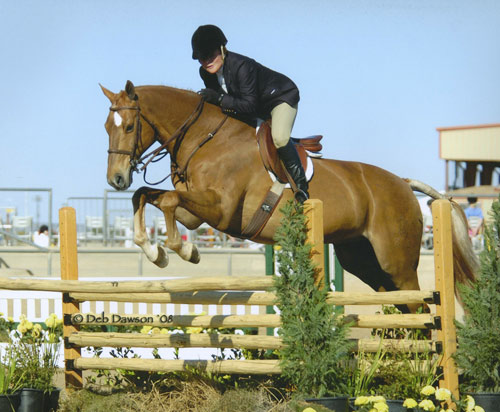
point(155, 253)
point(190, 205)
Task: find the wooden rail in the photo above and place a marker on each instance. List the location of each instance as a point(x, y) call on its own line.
point(232, 291)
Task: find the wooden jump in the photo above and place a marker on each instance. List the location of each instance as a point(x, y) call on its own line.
point(234, 291)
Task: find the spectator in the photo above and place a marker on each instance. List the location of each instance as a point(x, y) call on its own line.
point(41, 238)
point(474, 216)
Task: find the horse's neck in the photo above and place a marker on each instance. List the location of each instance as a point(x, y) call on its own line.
point(170, 108)
point(167, 107)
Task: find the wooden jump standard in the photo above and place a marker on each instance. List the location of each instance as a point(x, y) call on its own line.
point(234, 291)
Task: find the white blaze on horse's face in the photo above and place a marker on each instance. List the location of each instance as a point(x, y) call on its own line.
point(118, 119)
point(119, 174)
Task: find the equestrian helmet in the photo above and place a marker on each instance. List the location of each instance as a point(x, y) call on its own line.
point(206, 40)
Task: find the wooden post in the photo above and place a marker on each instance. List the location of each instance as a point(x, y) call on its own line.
point(313, 209)
point(443, 263)
point(69, 271)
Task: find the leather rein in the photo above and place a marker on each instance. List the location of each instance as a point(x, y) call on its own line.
point(160, 152)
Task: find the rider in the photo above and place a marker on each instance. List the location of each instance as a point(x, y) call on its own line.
point(241, 86)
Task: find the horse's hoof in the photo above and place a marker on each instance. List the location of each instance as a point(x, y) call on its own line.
point(162, 259)
point(195, 255)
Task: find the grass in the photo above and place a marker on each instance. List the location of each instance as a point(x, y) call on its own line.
point(186, 396)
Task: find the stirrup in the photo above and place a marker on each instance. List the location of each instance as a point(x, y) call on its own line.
point(300, 196)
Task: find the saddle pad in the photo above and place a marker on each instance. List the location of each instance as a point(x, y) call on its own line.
point(270, 157)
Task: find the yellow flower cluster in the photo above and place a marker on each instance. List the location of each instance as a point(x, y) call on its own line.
point(376, 403)
point(471, 405)
point(441, 395)
point(146, 330)
point(24, 325)
point(53, 321)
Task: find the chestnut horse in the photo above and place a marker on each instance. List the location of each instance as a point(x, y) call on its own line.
point(371, 216)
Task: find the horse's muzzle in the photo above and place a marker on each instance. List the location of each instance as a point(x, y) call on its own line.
point(120, 181)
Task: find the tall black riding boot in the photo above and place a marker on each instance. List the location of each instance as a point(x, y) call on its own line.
point(290, 158)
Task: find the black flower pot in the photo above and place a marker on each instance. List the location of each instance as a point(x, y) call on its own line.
point(31, 400)
point(396, 405)
point(489, 401)
point(10, 402)
point(336, 403)
point(51, 400)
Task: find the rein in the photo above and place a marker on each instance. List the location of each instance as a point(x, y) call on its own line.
point(160, 152)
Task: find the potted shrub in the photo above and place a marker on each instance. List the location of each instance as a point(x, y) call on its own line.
point(9, 384)
point(404, 374)
point(478, 353)
point(315, 357)
point(37, 352)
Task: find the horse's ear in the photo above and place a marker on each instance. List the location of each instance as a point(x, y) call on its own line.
point(109, 94)
point(130, 89)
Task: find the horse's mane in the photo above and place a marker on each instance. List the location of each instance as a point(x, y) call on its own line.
point(162, 89)
point(189, 97)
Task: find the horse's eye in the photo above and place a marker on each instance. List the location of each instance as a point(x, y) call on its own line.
point(129, 128)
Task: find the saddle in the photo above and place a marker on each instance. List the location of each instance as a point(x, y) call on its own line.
point(308, 146)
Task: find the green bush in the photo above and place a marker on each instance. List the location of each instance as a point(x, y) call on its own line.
point(478, 353)
point(317, 347)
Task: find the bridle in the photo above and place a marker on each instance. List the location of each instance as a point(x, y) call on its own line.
point(160, 152)
point(138, 133)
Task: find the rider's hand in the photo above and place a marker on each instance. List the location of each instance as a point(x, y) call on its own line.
point(211, 96)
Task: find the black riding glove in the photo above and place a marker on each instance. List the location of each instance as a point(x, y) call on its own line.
point(211, 96)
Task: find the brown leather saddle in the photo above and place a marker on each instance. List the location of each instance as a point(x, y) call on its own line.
point(269, 154)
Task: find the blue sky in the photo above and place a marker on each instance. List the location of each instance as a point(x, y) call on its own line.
point(376, 77)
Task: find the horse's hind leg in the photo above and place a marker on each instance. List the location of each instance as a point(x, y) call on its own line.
point(358, 257)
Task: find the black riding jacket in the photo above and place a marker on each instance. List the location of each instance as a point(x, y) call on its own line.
point(253, 89)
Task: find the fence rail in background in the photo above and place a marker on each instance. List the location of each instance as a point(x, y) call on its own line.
point(229, 252)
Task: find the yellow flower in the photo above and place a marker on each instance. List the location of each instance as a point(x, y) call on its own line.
point(427, 405)
point(146, 329)
point(377, 399)
point(52, 337)
point(10, 319)
point(470, 403)
point(443, 394)
point(59, 321)
point(361, 400)
point(410, 403)
point(381, 406)
point(309, 410)
point(50, 322)
point(164, 331)
point(193, 330)
point(22, 328)
point(29, 325)
point(428, 390)
point(155, 330)
point(36, 333)
point(37, 326)
point(477, 408)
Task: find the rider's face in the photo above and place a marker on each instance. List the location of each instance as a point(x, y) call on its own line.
point(214, 63)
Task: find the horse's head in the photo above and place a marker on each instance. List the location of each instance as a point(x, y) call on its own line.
point(127, 140)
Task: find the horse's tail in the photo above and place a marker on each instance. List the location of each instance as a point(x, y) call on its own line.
point(465, 262)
